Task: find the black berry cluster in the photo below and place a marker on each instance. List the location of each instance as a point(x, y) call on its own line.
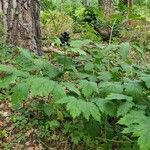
point(64, 38)
point(89, 16)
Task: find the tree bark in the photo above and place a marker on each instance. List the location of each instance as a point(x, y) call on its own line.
point(22, 23)
point(128, 3)
point(107, 6)
point(85, 2)
point(101, 3)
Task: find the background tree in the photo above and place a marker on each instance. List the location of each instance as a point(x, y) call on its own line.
point(22, 23)
point(106, 5)
point(128, 3)
point(85, 2)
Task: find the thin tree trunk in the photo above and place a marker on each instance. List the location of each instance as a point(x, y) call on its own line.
point(85, 2)
point(128, 3)
point(107, 6)
point(101, 3)
point(22, 23)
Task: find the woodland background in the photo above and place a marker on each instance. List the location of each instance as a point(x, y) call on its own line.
point(75, 74)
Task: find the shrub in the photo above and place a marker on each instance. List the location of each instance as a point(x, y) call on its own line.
point(54, 23)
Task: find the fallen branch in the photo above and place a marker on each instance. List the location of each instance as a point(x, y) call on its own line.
point(52, 49)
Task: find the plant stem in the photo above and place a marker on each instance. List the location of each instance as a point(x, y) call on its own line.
point(111, 33)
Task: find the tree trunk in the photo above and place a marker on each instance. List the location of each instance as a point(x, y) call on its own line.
point(101, 3)
point(85, 2)
point(128, 3)
point(107, 6)
point(22, 23)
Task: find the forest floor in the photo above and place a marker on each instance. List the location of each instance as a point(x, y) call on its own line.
point(12, 135)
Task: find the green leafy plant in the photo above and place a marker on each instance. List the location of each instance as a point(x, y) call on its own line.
point(94, 87)
point(138, 124)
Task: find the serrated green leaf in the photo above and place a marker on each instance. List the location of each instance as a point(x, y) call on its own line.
point(128, 69)
point(71, 87)
point(12, 70)
point(76, 43)
point(20, 93)
point(66, 99)
point(7, 69)
point(88, 88)
point(138, 124)
point(111, 47)
point(5, 82)
point(105, 106)
point(47, 68)
point(41, 86)
point(89, 66)
point(84, 107)
point(78, 50)
point(146, 79)
point(54, 124)
point(124, 108)
point(74, 108)
point(105, 76)
point(50, 71)
point(58, 92)
point(101, 103)
point(95, 112)
point(144, 141)
point(76, 46)
point(133, 89)
point(138, 49)
point(2, 97)
point(47, 109)
point(26, 53)
point(67, 62)
point(111, 87)
point(114, 96)
point(79, 43)
point(40, 63)
point(124, 50)
point(89, 108)
point(78, 106)
point(132, 117)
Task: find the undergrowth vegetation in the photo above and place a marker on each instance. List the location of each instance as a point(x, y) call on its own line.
point(93, 94)
point(99, 96)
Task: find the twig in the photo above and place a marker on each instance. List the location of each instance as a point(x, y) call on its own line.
point(66, 143)
point(52, 49)
point(115, 141)
point(112, 28)
point(45, 145)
